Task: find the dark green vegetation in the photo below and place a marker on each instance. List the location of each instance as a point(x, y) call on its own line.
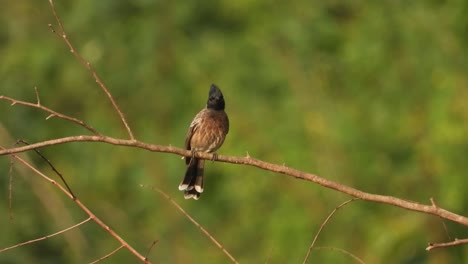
point(372, 94)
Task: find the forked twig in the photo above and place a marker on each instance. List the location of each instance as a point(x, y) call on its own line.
point(456, 242)
point(51, 166)
point(323, 225)
point(51, 112)
point(87, 65)
point(202, 229)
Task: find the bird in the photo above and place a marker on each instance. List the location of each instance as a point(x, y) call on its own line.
point(206, 133)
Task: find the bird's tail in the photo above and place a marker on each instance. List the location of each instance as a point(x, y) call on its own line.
point(192, 184)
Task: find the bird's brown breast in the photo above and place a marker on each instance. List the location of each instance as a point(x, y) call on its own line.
point(210, 131)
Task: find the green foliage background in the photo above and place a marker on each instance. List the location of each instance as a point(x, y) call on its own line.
point(372, 94)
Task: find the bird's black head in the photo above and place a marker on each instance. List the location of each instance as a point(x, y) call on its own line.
point(215, 98)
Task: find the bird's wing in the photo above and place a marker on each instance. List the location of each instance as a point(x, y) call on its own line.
point(192, 129)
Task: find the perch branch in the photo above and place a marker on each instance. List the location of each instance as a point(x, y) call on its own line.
point(406, 204)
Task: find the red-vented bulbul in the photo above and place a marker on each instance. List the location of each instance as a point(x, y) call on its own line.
point(206, 134)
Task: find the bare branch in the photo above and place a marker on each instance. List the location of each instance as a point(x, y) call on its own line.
point(87, 65)
point(202, 229)
point(406, 204)
point(46, 237)
point(456, 242)
point(323, 225)
point(51, 112)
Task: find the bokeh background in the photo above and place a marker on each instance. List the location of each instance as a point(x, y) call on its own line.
point(371, 94)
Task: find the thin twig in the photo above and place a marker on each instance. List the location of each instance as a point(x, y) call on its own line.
point(342, 251)
point(87, 65)
point(51, 166)
point(390, 200)
point(323, 225)
point(456, 242)
point(150, 248)
point(51, 112)
point(31, 167)
point(202, 229)
point(108, 255)
point(46, 237)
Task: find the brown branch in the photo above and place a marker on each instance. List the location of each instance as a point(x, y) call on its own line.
point(409, 205)
point(87, 65)
point(456, 242)
point(323, 225)
point(45, 237)
point(51, 112)
point(202, 229)
point(91, 215)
